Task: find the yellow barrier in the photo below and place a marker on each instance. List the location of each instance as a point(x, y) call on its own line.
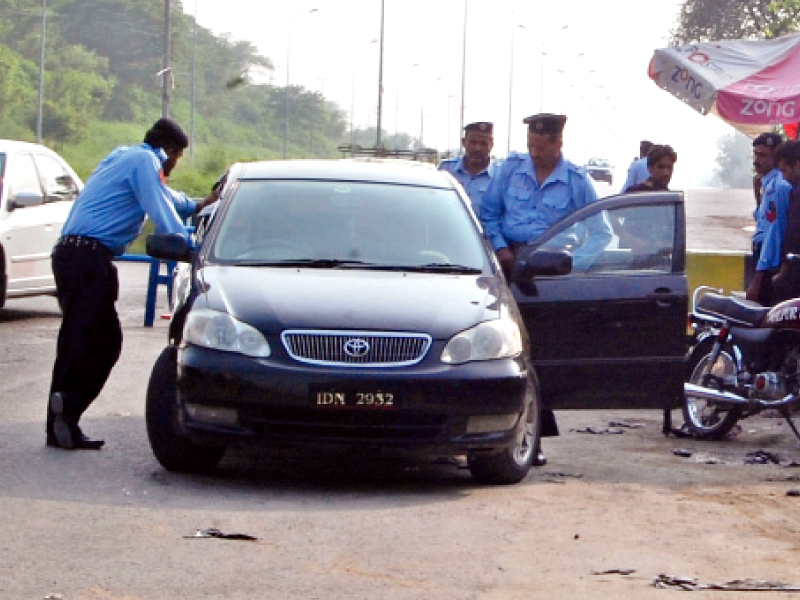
point(720, 269)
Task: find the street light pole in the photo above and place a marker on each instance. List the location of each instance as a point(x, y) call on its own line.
point(511, 81)
point(41, 75)
point(288, 57)
point(463, 68)
point(194, 87)
point(167, 72)
point(380, 86)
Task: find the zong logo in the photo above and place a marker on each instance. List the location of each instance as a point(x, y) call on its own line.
point(682, 77)
point(779, 110)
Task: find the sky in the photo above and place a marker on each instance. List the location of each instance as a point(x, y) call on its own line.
point(583, 58)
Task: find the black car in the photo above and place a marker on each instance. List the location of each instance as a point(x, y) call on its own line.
point(600, 169)
point(357, 302)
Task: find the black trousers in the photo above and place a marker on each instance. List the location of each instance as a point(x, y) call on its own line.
point(90, 338)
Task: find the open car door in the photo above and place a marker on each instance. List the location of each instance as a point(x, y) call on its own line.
point(610, 332)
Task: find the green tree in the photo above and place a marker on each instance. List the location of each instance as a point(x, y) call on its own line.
point(707, 20)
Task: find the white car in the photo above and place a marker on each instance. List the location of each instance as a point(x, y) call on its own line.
point(37, 188)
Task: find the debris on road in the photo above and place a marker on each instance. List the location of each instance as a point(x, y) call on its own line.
point(737, 585)
point(795, 493)
point(625, 425)
point(615, 572)
point(213, 532)
point(598, 430)
point(683, 452)
point(762, 457)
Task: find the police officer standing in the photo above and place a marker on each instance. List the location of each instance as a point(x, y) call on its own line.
point(770, 217)
point(475, 168)
point(105, 218)
point(638, 171)
point(530, 192)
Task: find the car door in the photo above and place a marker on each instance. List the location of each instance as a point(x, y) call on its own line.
point(611, 333)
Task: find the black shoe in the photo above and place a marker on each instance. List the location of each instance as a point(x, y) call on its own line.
point(62, 429)
point(539, 460)
point(83, 443)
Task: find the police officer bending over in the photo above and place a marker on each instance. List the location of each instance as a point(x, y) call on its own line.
point(106, 217)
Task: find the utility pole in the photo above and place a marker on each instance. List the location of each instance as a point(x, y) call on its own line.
point(194, 87)
point(380, 86)
point(41, 75)
point(167, 71)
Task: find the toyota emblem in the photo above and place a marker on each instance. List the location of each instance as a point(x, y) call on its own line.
point(356, 347)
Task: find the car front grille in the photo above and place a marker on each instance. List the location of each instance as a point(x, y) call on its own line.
point(356, 348)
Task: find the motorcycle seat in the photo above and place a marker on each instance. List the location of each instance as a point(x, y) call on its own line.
point(745, 312)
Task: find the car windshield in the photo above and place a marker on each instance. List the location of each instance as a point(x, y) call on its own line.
point(338, 224)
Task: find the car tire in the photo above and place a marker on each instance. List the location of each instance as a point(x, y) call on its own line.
point(173, 451)
point(512, 464)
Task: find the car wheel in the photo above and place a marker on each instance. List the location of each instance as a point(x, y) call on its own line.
point(174, 451)
point(512, 464)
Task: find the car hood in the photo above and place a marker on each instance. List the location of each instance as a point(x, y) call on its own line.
point(276, 299)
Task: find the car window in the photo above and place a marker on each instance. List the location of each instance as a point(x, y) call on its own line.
point(58, 183)
point(376, 223)
point(631, 239)
point(23, 176)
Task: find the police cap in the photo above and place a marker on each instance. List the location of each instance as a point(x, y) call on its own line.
point(771, 140)
point(546, 123)
point(480, 126)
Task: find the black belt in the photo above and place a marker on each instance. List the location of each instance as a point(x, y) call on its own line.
point(81, 241)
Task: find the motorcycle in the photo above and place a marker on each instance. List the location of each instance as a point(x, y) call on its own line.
point(744, 358)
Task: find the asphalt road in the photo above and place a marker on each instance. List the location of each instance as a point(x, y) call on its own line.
point(114, 525)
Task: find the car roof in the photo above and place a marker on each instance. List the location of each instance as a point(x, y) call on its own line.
point(17, 146)
point(357, 169)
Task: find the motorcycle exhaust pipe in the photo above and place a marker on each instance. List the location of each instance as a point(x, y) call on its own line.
point(696, 391)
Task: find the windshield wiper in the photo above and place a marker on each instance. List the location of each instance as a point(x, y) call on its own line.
point(314, 263)
point(435, 268)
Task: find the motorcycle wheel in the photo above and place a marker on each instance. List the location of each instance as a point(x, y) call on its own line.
point(704, 418)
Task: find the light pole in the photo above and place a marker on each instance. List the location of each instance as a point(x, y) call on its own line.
point(463, 69)
point(194, 87)
point(288, 56)
point(511, 81)
point(167, 71)
point(380, 87)
point(41, 75)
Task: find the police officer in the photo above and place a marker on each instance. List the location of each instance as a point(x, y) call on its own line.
point(770, 217)
point(105, 218)
point(530, 192)
point(638, 171)
point(474, 170)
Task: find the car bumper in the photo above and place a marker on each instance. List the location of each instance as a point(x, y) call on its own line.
point(435, 407)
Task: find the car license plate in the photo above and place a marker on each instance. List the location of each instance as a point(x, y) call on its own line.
point(360, 399)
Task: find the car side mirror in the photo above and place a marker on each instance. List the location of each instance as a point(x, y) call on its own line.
point(168, 246)
point(25, 198)
point(532, 262)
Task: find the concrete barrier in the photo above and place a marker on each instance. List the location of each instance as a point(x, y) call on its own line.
point(727, 270)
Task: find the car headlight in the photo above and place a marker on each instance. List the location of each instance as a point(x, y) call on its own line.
point(486, 341)
point(220, 331)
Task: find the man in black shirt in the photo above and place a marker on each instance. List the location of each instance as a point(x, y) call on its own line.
point(786, 283)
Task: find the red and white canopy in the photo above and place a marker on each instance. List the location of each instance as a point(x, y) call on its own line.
point(752, 84)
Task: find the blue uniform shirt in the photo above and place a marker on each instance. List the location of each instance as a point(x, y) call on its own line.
point(124, 188)
point(516, 208)
point(474, 185)
point(637, 173)
point(771, 215)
